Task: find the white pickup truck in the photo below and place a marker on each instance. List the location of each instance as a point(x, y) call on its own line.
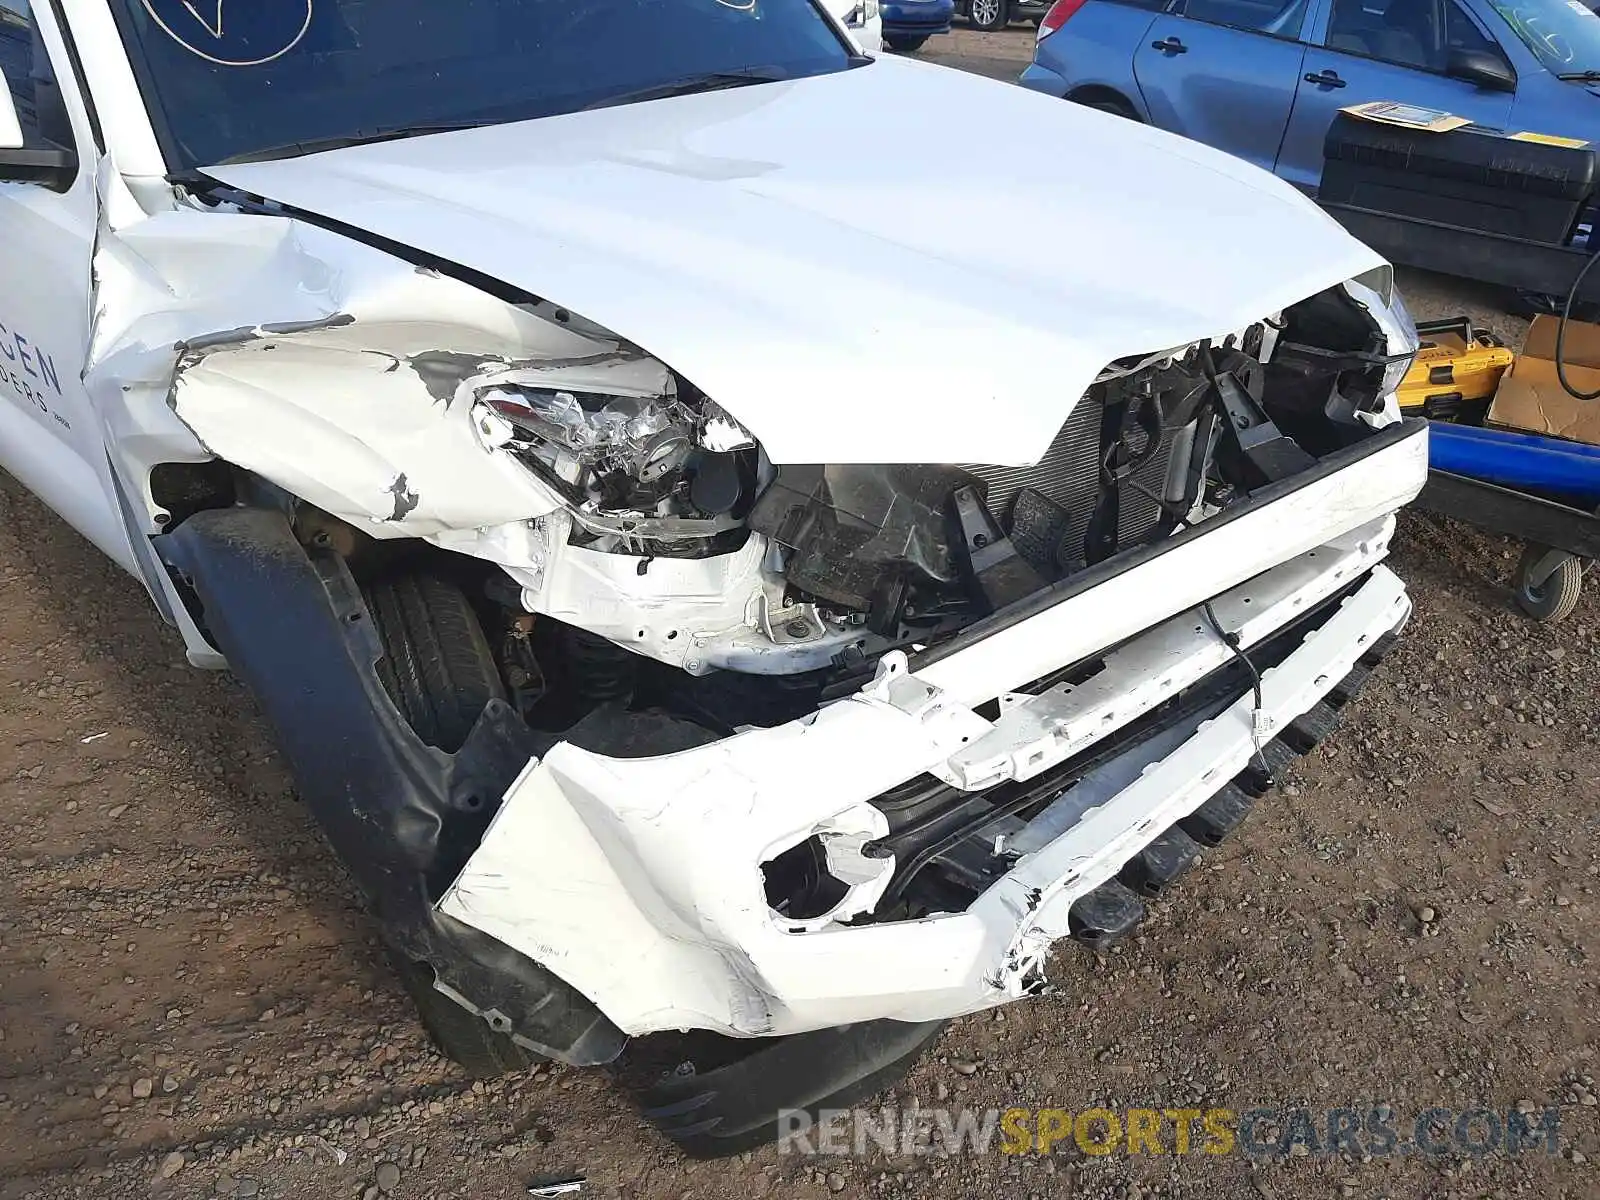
point(725, 618)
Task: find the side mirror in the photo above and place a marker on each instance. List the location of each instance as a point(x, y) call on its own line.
point(1488, 71)
point(19, 163)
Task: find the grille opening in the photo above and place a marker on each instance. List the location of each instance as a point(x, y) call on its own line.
point(1068, 476)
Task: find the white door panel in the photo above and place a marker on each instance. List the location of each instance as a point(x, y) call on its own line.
point(50, 437)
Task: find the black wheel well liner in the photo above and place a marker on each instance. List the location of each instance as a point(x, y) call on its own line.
point(1092, 93)
point(402, 816)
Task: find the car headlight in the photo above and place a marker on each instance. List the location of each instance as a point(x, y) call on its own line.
point(1376, 292)
point(1403, 339)
point(637, 468)
point(1401, 332)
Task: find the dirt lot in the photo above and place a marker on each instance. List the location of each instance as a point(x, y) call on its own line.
point(191, 1003)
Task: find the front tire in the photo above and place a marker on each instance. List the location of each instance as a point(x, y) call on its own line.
point(461, 1036)
point(989, 15)
point(440, 673)
point(902, 43)
point(436, 666)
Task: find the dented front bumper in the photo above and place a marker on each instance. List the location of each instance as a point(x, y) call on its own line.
point(639, 882)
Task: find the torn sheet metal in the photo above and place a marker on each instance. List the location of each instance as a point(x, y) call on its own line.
point(373, 420)
point(330, 368)
point(650, 897)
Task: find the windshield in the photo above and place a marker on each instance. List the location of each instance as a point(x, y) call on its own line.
point(1563, 34)
point(232, 78)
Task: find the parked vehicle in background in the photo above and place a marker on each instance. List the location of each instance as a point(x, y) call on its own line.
point(1262, 79)
point(907, 24)
point(863, 19)
point(997, 14)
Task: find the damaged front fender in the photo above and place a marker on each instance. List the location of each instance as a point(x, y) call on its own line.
point(329, 367)
point(373, 422)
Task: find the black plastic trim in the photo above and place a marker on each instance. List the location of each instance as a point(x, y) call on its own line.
point(75, 60)
point(734, 1108)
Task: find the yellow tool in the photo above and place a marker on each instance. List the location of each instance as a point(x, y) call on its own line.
point(1455, 373)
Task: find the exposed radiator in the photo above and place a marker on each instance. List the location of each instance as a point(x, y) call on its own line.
point(1069, 475)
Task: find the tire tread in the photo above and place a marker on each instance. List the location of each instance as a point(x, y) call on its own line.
point(437, 666)
point(439, 671)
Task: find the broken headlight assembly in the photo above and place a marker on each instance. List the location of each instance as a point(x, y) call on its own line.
point(649, 475)
point(1341, 357)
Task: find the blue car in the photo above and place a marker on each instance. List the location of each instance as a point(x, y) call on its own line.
point(909, 23)
point(1262, 79)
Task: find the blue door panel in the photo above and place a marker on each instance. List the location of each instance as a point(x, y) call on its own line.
point(1229, 88)
point(1341, 69)
point(1363, 79)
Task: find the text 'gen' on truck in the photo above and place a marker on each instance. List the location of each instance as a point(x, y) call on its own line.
point(726, 622)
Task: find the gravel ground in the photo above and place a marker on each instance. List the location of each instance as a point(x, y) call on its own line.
point(194, 1005)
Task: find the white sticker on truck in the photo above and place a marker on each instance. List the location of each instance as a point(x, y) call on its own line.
point(230, 33)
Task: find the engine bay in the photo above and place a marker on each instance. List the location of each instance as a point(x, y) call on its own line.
point(680, 545)
point(599, 497)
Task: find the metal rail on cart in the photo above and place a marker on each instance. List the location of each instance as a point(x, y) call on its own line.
point(1561, 540)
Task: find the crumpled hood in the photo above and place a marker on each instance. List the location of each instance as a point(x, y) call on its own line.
point(898, 263)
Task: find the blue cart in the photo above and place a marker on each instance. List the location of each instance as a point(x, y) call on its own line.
point(1543, 491)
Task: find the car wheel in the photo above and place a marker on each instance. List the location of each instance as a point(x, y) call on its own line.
point(989, 15)
point(903, 43)
point(439, 671)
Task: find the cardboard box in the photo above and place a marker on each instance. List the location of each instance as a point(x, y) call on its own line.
point(1531, 397)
